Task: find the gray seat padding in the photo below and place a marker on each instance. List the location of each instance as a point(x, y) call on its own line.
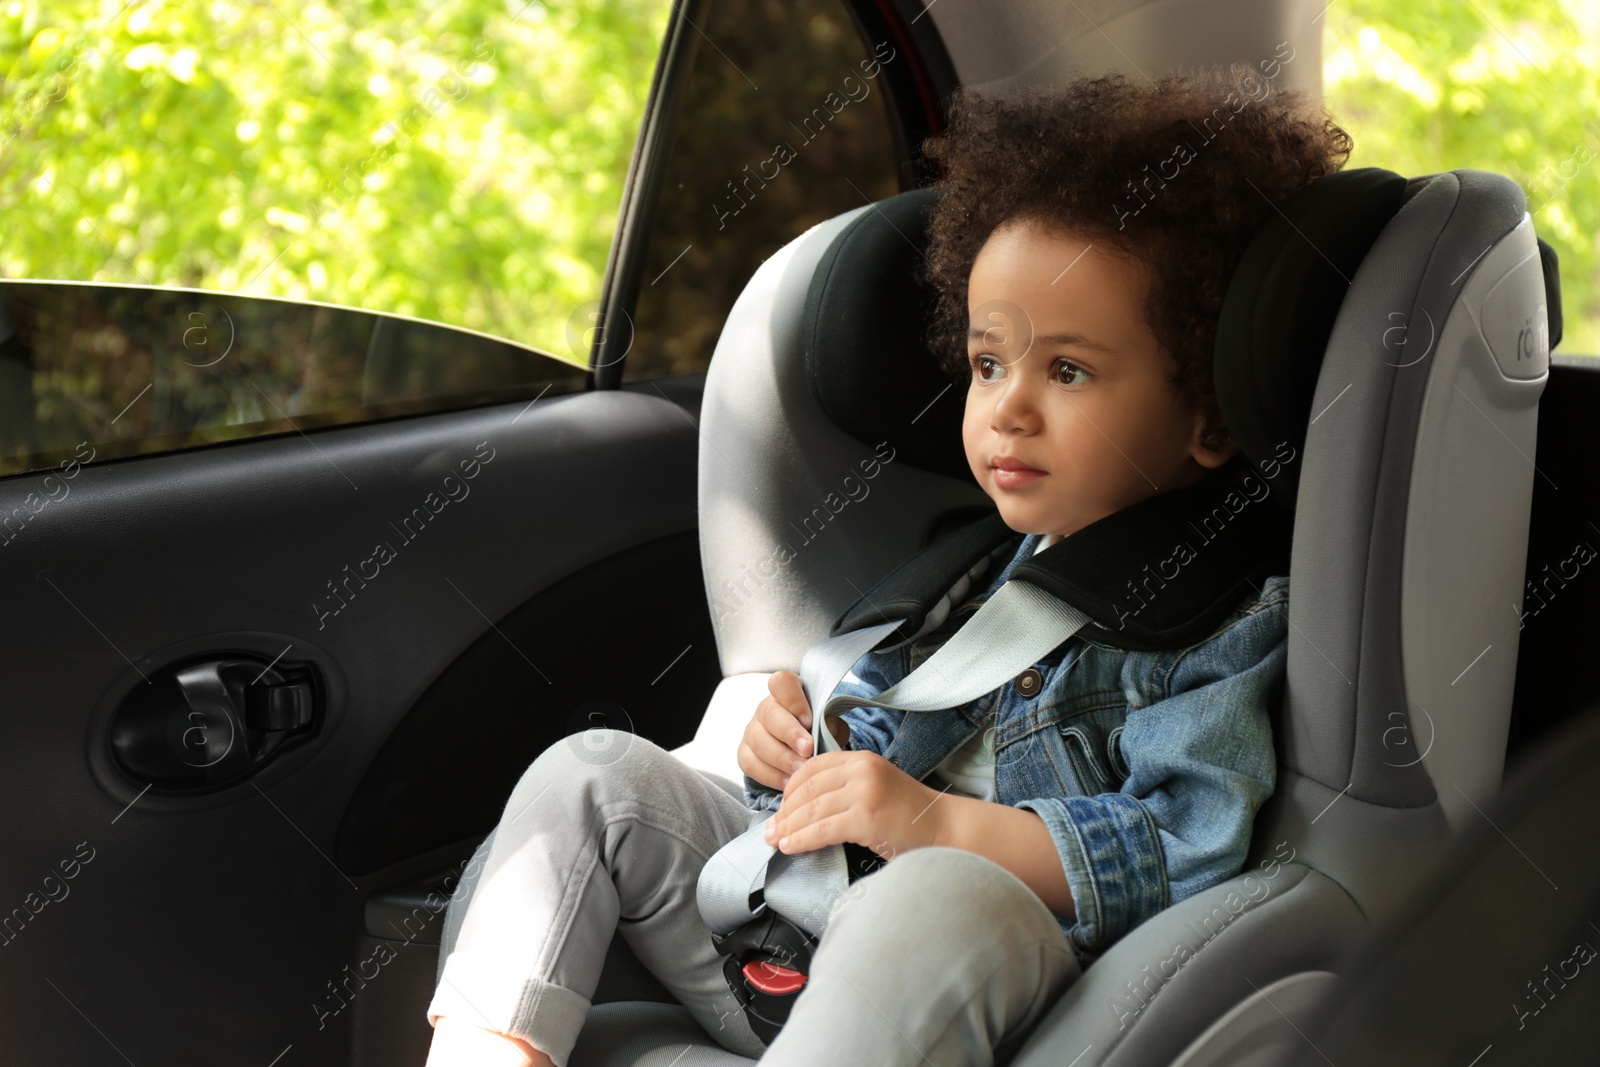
point(1497, 949)
point(645, 1034)
point(1296, 920)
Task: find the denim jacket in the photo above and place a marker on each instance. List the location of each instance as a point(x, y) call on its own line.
point(1146, 767)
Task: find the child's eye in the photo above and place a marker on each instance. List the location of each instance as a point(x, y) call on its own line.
point(985, 368)
point(980, 362)
point(1071, 366)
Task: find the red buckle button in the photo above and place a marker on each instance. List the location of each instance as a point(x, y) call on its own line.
point(772, 979)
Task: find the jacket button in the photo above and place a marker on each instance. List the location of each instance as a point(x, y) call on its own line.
point(1029, 682)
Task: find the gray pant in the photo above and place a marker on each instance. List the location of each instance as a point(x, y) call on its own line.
point(608, 830)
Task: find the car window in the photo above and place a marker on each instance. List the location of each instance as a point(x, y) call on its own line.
point(93, 372)
point(784, 121)
point(458, 162)
point(1509, 87)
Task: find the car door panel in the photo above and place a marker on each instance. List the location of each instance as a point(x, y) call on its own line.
point(225, 925)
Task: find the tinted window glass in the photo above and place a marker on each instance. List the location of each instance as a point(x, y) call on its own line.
point(784, 122)
point(99, 371)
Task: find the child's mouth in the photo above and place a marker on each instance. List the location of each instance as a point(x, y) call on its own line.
point(1016, 478)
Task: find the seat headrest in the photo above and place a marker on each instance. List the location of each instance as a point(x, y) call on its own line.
point(872, 374)
point(1280, 306)
point(862, 335)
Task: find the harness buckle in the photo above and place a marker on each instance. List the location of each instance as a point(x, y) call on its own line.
point(769, 958)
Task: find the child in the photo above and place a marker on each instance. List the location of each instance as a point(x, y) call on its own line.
point(1079, 292)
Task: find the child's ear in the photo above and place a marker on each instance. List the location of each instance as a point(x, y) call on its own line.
point(1206, 457)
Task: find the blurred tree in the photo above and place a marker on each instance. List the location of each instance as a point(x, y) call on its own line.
point(1511, 86)
point(459, 160)
point(464, 161)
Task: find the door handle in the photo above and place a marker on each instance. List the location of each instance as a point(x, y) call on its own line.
point(207, 723)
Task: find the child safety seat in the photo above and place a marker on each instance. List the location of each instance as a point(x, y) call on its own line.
point(1392, 335)
point(767, 910)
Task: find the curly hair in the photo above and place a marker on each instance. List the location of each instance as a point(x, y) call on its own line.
point(1095, 159)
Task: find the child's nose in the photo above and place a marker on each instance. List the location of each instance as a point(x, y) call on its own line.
point(1017, 404)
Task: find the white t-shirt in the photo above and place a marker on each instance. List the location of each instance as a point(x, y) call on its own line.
point(969, 770)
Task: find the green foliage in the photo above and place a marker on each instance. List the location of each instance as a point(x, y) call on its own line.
point(1511, 86)
point(459, 160)
point(463, 160)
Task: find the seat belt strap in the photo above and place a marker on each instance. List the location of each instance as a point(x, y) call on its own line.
point(732, 883)
point(1012, 630)
point(1015, 628)
point(826, 663)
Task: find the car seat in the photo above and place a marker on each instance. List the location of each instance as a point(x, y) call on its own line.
point(1492, 952)
point(1395, 333)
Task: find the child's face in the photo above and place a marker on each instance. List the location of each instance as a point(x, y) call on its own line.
point(1101, 428)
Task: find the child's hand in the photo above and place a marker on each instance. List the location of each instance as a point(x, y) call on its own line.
point(862, 798)
point(778, 739)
